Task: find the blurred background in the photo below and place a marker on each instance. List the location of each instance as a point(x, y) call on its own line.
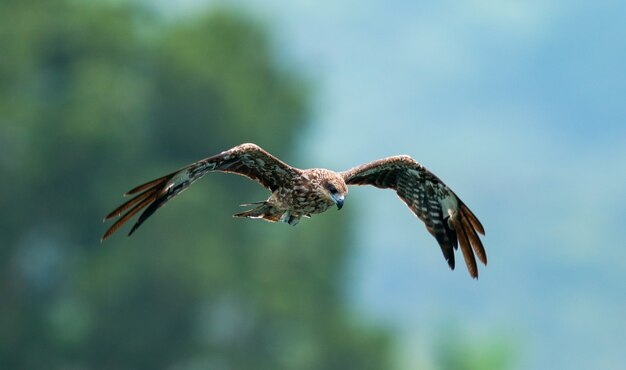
point(517, 105)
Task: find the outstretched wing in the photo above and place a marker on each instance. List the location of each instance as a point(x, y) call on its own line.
point(446, 217)
point(246, 159)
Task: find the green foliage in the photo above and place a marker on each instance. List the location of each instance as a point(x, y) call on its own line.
point(95, 98)
point(460, 351)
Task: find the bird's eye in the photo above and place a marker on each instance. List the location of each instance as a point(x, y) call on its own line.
point(332, 188)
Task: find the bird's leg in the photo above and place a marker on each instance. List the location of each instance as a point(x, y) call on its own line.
point(293, 220)
point(289, 218)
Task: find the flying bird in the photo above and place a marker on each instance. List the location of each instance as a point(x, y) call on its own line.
point(297, 193)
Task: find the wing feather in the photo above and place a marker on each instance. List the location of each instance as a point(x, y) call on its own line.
point(144, 202)
point(150, 184)
point(128, 204)
point(473, 220)
point(468, 255)
point(477, 245)
point(445, 216)
point(247, 160)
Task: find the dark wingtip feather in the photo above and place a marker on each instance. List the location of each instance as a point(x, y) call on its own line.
point(451, 262)
point(156, 204)
point(446, 246)
point(132, 229)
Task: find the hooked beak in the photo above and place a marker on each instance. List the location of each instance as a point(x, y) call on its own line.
point(338, 199)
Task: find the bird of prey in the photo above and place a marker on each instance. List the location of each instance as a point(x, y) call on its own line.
point(297, 193)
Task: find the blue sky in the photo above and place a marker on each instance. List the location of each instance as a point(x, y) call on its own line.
point(520, 107)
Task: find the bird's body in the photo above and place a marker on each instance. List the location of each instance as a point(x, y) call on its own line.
point(297, 193)
point(306, 195)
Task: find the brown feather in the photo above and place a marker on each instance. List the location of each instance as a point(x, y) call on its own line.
point(118, 211)
point(295, 194)
point(248, 160)
point(473, 219)
point(151, 184)
point(477, 245)
point(139, 206)
point(470, 260)
point(417, 187)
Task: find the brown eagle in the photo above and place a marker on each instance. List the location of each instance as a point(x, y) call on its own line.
point(297, 193)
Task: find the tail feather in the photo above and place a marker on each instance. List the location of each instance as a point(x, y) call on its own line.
point(252, 203)
point(264, 211)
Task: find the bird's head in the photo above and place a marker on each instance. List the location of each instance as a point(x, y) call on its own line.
point(334, 188)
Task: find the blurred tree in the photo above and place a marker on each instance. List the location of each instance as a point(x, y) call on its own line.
point(96, 97)
point(458, 350)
